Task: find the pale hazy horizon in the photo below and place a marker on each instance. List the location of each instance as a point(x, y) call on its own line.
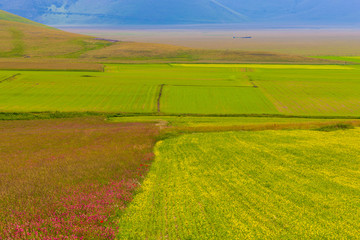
point(308, 42)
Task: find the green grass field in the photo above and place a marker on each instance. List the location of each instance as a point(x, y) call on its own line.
point(266, 66)
point(311, 92)
point(215, 100)
point(347, 59)
point(75, 91)
point(250, 185)
point(326, 90)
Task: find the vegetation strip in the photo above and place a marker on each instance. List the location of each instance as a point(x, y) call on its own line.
point(267, 66)
point(13, 77)
point(112, 116)
point(159, 97)
point(186, 124)
point(211, 86)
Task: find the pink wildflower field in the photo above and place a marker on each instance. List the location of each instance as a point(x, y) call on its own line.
point(69, 179)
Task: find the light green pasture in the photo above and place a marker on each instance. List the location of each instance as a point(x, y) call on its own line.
point(75, 91)
point(311, 92)
point(266, 66)
point(330, 90)
point(353, 59)
point(212, 100)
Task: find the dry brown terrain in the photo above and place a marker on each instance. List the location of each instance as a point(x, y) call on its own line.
point(134, 51)
point(25, 40)
point(306, 42)
point(48, 64)
point(28, 45)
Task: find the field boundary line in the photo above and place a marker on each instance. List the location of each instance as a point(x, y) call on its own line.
point(210, 86)
point(13, 77)
point(262, 115)
point(159, 97)
point(254, 85)
point(109, 115)
point(252, 82)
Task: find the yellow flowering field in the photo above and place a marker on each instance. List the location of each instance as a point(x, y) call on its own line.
point(269, 66)
point(299, 184)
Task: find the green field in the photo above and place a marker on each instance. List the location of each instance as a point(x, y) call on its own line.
point(311, 92)
point(215, 100)
point(75, 91)
point(326, 90)
point(250, 185)
point(266, 66)
point(347, 59)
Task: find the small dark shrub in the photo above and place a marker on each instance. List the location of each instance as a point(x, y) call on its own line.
point(335, 127)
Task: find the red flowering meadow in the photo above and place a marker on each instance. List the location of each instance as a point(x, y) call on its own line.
point(67, 179)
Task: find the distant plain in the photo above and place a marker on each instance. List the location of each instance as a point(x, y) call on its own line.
point(307, 41)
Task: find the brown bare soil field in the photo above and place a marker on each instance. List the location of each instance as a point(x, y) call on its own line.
point(134, 50)
point(5, 44)
point(69, 177)
point(48, 64)
point(265, 126)
point(152, 52)
point(25, 40)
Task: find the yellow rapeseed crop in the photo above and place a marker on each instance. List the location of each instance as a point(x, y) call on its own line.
point(269, 66)
point(298, 184)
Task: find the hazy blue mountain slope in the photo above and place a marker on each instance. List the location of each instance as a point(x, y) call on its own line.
point(185, 11)
point(12, 17)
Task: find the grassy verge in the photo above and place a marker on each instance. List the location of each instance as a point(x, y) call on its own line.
point(176, 119)
point(46, 115)
point(48, 64)
point(204, 121)
point(336, 127)
point(344, 59)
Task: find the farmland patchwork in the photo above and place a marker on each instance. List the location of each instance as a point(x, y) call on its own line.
point(76, 177)
point(188, 88)
point(107, 139)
